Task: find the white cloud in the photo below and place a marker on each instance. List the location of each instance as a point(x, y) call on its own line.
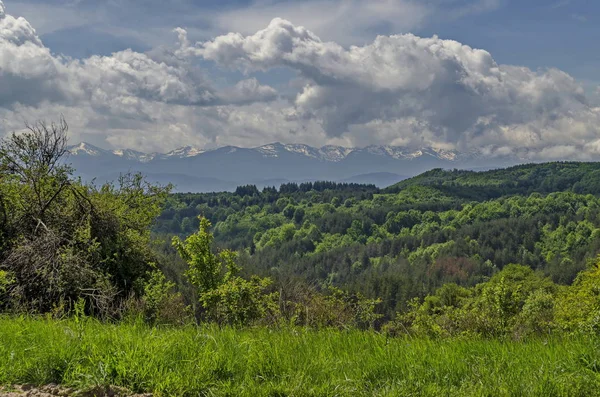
point(248, 91)
point(49, 16)
point(560, 4)
point(398, 90)
point(30, 73)
point(344, 21)
point(101, 79)
point(128, 91)
point(131, 74)
point(438, 89)
point(350, 21)
point(340, 20)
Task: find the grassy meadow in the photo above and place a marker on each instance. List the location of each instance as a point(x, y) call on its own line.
point(212, 361)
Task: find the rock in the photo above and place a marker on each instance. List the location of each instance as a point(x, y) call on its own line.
point(53, 390)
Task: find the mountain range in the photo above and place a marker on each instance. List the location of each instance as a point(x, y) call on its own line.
point(191, 169)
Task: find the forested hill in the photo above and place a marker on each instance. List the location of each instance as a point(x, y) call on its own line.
point(577, 177)
point(484, 249)
point(405, 242)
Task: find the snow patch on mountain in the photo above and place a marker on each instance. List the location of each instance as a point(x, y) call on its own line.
point(271, 150)
point(130, 154)
point(327, 153)
point(335, 153)
point(183, 152)
point(87, 149)
point(304, 150)
point(445, 154)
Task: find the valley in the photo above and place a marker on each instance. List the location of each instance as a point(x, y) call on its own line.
point(223, 169)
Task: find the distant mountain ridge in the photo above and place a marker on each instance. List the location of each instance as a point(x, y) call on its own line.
point(130, 154)
point(326, 153)
point(198, 170)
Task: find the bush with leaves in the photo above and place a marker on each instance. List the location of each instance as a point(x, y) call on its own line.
point(301, 305)
point(502, 299)
point(160, 304)
point(225, 297)
point(578, 306)
point(514, 302)
point(5, 281)
point(62, 240)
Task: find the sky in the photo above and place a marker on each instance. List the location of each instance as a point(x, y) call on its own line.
point(499, 76)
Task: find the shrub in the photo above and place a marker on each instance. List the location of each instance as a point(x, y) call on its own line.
point(515, 302)
point(61, 240)
point(578, 306)
point(160, 304)
point(225, 297)
point(6, 280)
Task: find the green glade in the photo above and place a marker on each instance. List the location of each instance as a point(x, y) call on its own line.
point(259, 361)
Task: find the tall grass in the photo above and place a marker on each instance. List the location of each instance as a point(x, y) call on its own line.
point(192, 361)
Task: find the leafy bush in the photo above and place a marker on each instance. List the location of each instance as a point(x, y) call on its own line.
point(5, 281)
point(578, 306)
point(226, 297)
point(514, 302)
point(62, 240)
point(160, 304)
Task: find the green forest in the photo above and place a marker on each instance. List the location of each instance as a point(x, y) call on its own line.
point(440, 244)
point(501, 259)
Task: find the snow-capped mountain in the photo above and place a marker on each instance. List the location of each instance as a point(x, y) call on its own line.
point(87, 149)
point(194, 169)
point(325, 153)
point(339, 153)
point(273, 150)
point(183, 152)
point(335, 153)
point(134, 155)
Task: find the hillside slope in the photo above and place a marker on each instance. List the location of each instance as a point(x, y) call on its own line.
point(582, 178)
point(406, 241)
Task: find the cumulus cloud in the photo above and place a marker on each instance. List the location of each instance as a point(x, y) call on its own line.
point(423, 87)
point(248, 91)
point(396, 90)
point(131, 74)
point(340, 20)
point(29, 72)
point(26, 64)
point(350, 21)
point(125, 89)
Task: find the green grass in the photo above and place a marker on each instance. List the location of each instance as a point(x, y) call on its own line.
point(194, 361)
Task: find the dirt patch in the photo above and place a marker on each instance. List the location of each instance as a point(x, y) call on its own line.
point(59, 391)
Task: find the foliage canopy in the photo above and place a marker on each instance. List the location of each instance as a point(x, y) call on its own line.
point(62, 240)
